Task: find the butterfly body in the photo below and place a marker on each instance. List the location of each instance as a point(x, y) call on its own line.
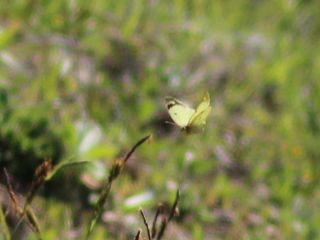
point(186, 117)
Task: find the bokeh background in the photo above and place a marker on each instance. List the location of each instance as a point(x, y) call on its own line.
point(87, 79)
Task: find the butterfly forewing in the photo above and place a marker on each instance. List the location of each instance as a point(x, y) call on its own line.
point(179, 112)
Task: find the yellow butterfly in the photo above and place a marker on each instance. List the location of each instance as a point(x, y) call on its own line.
point(188, 118)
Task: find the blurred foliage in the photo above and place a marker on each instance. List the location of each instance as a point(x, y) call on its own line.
point(87, 79)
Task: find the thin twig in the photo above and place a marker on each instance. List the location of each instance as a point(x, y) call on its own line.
point(163, 227)
point(113, 174)
point(135, 147)
point(146, 224)
point(166, 220)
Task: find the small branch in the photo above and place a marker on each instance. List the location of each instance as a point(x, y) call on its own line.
point(146, 224)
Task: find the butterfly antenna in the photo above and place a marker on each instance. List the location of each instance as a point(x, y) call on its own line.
point(170, 123)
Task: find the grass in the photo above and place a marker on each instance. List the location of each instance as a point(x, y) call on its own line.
point(88, 80)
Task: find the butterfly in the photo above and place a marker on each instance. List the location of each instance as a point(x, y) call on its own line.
point(186, 117)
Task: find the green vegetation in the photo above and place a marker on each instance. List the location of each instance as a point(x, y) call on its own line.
point(83, 81)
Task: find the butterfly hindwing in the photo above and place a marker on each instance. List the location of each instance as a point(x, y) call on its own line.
point(179, 112)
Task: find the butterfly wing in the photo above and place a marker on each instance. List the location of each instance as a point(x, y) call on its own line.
point(199, 118)
point(179, 112)
point(205, 103)
point(202, 112)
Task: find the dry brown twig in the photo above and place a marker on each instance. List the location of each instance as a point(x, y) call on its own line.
point(155, 219)
point(173, 212)
point(137, 237)
point(146, 224)
point(12, 195)
point(165, 219)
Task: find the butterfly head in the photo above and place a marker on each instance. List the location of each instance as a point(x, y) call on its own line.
point(170, 102)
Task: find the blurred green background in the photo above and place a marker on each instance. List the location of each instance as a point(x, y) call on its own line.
point(88, 79)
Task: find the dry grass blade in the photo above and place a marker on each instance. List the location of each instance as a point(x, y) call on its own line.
point(32, 221)
point(155, 220)
point(137, 237)
point(145, 224)
point(39, 178)
point(135, 147)
point(63, 165)
point(163, 227)
point(173, 212)
point(11, 193)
